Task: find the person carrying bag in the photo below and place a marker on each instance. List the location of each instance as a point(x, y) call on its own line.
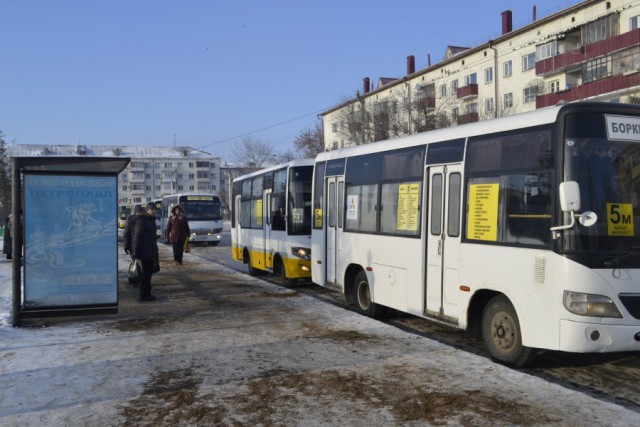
point(177, 233)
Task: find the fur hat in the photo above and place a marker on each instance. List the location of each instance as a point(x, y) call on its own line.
point(175, 208)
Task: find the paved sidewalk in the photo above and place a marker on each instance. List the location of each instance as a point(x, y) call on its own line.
point(221, 348)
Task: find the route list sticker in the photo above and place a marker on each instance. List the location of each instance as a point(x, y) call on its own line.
point(483, 212)
point(408, 206)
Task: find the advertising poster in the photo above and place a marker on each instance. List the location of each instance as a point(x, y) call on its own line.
point(70, 240)
point(352, 207)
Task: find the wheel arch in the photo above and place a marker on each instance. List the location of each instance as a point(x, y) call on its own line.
point(349, 281)
point(278, 263)
point(474, 312)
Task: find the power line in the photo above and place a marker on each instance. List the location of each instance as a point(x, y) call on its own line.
point(264, 128)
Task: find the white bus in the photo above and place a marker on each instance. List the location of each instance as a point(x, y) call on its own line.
point(271, 220)
point(524, 229)
point(203, 211)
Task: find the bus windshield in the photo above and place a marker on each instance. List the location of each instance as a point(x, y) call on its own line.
point(201, 208)
point(300, 200)
point(608, 174)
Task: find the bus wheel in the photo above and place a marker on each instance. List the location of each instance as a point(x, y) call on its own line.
point(252, 270)
point(283, 276)
point(362, 298)
point(501, 333)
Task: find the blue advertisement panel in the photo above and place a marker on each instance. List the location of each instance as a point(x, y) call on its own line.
point(70, 239)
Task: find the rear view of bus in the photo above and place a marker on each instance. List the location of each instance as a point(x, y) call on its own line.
point(271, 220)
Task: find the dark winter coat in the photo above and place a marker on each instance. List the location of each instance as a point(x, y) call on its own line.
point(177, 229)
point(144, 244)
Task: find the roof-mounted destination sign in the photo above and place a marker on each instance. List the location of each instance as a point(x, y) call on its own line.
point(623, 128)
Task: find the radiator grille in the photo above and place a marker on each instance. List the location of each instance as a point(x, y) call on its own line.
point(631, 303)
point(538, 270)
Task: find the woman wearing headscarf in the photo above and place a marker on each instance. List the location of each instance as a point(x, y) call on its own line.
point(177, 232)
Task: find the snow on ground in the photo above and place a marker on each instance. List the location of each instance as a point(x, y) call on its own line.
point(223, 348)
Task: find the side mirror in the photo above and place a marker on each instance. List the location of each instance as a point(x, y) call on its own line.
point(569, 196)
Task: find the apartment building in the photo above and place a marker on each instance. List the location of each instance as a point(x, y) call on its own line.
point(589, 51)
point(153, 172)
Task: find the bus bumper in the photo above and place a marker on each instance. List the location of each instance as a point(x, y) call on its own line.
point(582, 337)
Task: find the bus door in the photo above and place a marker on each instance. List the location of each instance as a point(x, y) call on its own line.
point(443, 240)
point(268, 243)
point(235, 238)
point(334, 189)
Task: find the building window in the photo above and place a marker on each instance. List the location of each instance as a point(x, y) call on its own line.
point(508, 100)
point(180, 187)
point(633, 23)
point(554, 86)
point(157, 188)
point(597, 69)
point(334, 127)
point(601, 29)
point(471, 108)
point(454, 85)
point(455, 112)
point(488, 75)
point(626, 62)
point(192, 176)
point(471, 79)
point(191, 188)
point(168, 165)
point(488, 105)
point(443, 91)
point(508, 68)
point(530, 94)
point(124, 188)
point(547, 50)
point(529, 61)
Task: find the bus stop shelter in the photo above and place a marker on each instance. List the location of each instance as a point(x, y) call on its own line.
point(64, 215)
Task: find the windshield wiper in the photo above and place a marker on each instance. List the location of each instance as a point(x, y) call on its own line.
point(615, 262)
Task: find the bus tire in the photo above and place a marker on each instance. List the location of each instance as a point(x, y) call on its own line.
point(502, 335)
point(283, 275)
point(362, 298)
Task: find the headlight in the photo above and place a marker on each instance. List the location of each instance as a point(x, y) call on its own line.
point(590, 305)
point(303, 253)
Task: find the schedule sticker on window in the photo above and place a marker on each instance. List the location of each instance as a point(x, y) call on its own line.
point(483, 212)
point(620, 219)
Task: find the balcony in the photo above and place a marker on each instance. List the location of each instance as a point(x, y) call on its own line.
point(585, 53)
point(425, 103)
point(468, 91)
point(589, 90)
point(468, 118)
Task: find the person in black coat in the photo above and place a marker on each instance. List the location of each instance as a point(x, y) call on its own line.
point(144, 246)
point(128, 228)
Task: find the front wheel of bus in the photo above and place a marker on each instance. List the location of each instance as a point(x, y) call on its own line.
point(283, 276)
point(362, 298)
point(501, 333)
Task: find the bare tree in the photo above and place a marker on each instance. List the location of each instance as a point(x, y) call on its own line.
point(5, 180)
point(251, 152)
point(310, 142)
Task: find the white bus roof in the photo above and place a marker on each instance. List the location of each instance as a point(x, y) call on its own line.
point(516, 121)
point(292, 163)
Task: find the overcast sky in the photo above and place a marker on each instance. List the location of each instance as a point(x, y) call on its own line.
point(207, 73)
